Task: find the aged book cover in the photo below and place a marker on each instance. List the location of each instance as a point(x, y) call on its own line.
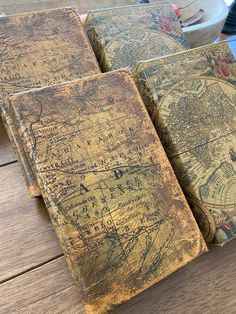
point(191, 97)
point(123, 36)
point(39, 49)
point(118, 210)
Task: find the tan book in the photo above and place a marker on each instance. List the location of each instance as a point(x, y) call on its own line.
point(116, 205)
point(123, 36)
point(191, 97)
point(39, 49)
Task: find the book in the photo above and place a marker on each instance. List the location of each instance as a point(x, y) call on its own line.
point(116, 205)
point(191, 99)
point(123, 36)
point(39, 49)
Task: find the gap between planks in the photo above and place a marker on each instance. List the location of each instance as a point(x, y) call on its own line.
point(30, 269)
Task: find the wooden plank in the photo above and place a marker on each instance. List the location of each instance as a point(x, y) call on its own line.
point(6, 152)
point(47, 289)
point(205, 286)
point(27, 237)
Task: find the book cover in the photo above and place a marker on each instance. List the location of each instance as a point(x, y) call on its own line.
point(191, 99)
point(125, 35)
point(118, 210)
point(39, 49)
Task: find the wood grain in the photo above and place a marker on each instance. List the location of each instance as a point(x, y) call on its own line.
point(27, 236)
point(47, 289)
point(205, 286)
point(6, 152)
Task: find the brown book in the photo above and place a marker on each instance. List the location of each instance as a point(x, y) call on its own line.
point(123, 36)
point(39, 49)
point(118, 210)
point(191, 98)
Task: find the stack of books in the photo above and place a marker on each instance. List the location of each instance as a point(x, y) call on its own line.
point(131, 162)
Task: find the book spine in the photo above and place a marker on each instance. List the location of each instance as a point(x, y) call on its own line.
point(24, 164)
point(98, 46)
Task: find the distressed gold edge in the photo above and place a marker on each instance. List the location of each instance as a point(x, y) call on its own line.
point(206, 211)
point(31, 184)
point(221, 244)
point(14, 96)
point(172, 56)
point(101, 55)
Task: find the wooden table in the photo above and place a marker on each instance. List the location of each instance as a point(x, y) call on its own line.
point(34, 277)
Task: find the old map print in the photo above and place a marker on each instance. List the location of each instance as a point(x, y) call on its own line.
point(123, 36)
point(39, 49)
point(191, 98)
point(116, 205)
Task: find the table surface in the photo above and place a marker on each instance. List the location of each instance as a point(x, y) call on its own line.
point(34, 277)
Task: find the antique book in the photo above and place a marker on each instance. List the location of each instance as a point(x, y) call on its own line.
point(39, 49)
point(191, 98)
point(125, 35)
point(116, 205)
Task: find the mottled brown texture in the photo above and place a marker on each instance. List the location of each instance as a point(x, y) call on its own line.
point(27, 238)
point(117, 208)
point(40, 49)
point(6, 151)
point(191, 98)
point(121, 37)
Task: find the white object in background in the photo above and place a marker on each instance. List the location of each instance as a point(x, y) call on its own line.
point(211, 25)
point(229, 2)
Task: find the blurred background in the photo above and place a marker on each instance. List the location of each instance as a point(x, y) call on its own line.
point(17, 6)
point(204, 30)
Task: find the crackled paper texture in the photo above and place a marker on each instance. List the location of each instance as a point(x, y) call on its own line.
point(191, 98)
point(123, 36)
point(39, 49)
point(118, 210)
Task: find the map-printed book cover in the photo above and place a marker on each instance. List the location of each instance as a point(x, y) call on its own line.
point(39, 49)
point(191, 98)
point(123, 36)
point(116, 205)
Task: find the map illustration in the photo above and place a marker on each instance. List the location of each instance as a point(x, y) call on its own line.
point(40, 49)
point(121, 37)
point(117, 208)
point(191, 98)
